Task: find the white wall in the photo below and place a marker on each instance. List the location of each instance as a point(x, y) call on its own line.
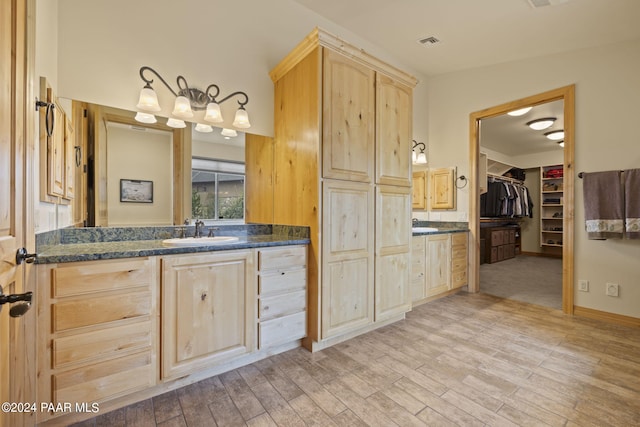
point(607, 93)
point(139, 155)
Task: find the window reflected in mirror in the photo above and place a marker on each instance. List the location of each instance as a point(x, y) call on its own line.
point(217, 190)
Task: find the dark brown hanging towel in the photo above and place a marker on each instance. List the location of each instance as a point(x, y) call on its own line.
point(632, 203)
point(603, 205)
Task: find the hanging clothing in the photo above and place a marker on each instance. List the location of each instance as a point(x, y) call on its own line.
point(506, 199)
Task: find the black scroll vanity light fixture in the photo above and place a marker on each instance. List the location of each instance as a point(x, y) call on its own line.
point(418, 158)
point(187, 100)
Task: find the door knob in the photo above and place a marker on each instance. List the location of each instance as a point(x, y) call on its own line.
point(18, 309)
point(23, 256)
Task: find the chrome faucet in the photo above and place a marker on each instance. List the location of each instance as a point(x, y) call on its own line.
point(199, 226)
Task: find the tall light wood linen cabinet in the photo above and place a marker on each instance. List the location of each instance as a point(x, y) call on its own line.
point(341, 165)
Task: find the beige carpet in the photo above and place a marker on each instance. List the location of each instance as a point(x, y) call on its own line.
point(536, 280)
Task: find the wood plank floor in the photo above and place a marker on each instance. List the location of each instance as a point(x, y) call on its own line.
point(466, 360)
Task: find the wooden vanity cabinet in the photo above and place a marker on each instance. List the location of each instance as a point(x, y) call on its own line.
point(282, 295)
point(438, 248)
point(98, 324)
point(208, 310)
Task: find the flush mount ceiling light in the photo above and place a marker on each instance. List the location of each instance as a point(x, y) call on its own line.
point(555, 135)
point(228, 133)
point(189, 99)
point(519, 112)
point(419, 158)
point(540, 124)
point(145, 118)
point(561, 143)
point(203, 128)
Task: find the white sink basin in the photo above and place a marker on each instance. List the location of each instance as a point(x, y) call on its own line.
point(199, 241)
point(423, 229)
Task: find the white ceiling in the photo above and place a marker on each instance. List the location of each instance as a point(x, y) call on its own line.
point(475, 33)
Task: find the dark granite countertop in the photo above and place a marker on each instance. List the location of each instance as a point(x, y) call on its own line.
point(72, 245)
point(443, 227)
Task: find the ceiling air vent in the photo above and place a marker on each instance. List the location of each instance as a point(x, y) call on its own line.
point(428, 41)
point(542, 3)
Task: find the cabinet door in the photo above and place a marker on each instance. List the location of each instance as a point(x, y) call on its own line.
point(209, 310)
point(419, 190)
point(394, 103)
point(393, 251)
point(443, 191)
point(438, 264)
point(347, 119)
point(347, 257)
point(70, 159)
point(418, 268)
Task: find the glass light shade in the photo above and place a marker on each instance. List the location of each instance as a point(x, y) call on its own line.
point(176, 123)
point(561, 144)
point(414, 156)
point(182, 108)
point(541, 124)
point(228, 133)
point(555, 135)
point(213, 113)
point(241, 120)
point(422, 159)
point(520, 112)
point(203, 128)
point(148, 100)
point(145, 118)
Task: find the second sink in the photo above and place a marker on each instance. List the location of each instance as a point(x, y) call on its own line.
point(200, 241)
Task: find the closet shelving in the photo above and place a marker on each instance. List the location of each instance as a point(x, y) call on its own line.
point(551, 205)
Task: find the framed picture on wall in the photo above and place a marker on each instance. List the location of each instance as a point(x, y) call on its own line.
point(136, 191)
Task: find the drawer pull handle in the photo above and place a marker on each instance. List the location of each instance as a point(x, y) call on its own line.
point(282, 273)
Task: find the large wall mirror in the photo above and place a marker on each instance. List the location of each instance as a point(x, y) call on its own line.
point(173, 174)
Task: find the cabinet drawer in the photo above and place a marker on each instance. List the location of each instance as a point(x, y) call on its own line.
point(458, 279)
point(95, 311)
point(282, 257)
point(102, 381)
point(459, 264)
point(459, 253)
point(458, 239)
point(281, 281)
point(84, 278)
point(277, 306)
point(108, 342)
point(282, 330)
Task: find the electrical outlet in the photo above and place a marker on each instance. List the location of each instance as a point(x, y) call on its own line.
point(583, 285)
point(612, 289)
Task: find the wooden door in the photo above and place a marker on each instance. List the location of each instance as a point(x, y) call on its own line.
point(393, 251)
point(394, 113)
point(347, 256)
point(14, 97)
point(209, 310)
point(438, 263)
point(348, 109)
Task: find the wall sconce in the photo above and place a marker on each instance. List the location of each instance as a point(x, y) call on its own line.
point(418, 158)
point(187, 100)
point(540, 124)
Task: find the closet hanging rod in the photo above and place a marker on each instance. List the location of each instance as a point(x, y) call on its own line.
point(581, 174)
point(504, 178)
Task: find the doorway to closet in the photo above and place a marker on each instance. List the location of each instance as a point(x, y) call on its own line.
point(520, 252)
